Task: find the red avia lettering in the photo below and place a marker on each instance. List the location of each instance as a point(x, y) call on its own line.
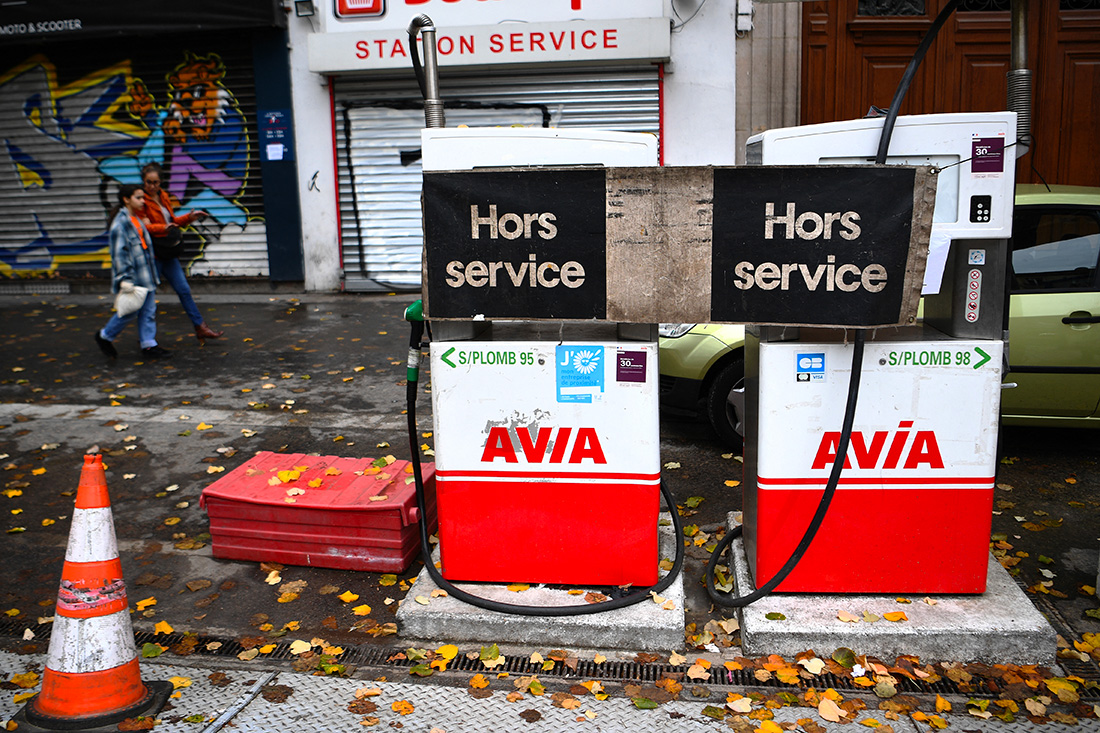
point(922, 450)
point(533, 445)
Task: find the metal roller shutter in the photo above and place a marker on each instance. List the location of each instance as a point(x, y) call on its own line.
point(75, 124)
point(378, 123)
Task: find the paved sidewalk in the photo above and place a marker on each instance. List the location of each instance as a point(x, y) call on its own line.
point(249, 698)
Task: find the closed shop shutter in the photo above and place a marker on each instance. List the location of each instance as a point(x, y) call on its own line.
point(80, 118)
point(378, 123)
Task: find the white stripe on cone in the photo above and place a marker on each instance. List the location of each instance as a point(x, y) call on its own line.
point(92, 537)
point(91, 644)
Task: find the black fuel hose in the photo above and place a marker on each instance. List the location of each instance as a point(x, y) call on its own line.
point(853, 384)
point(822, 505)
point(498, 606)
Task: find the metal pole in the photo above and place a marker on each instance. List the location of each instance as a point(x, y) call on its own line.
point(433, 104)
point(1019, 77)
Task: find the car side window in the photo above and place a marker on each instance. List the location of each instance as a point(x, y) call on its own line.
point(1054, 249)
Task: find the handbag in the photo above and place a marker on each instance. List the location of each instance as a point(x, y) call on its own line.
point(170, 246)
point(130, 298)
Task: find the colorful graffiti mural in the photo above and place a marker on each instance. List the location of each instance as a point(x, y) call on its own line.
point(67, 149)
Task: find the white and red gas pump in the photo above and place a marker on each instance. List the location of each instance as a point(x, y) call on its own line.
point(543, 429)
point(912, 509)
point(545, 408)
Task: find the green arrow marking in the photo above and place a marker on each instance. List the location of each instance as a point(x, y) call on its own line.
point(985, 357)
point(451, 364)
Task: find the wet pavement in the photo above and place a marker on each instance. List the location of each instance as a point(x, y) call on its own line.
point(325, 374)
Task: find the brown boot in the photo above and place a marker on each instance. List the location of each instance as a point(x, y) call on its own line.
point(203, 332)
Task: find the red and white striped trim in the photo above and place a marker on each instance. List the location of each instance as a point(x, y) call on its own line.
point(879, 482)
point(578, 477)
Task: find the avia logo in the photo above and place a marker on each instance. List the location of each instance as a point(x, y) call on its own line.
point(534, 445)
point(923, 449)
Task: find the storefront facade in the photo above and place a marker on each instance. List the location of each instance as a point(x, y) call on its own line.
point(632, 65)
point(92, 93)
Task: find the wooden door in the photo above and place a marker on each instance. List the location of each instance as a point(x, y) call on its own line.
point(856, 51)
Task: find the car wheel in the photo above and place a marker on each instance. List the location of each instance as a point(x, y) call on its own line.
point(721, 412)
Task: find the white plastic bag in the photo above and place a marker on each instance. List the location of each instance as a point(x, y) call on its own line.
point(130, 298)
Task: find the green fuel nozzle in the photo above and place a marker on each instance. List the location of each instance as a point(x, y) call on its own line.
point(414, 314)
point(415, 311)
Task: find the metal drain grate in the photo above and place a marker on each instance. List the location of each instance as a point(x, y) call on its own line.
point(613, 671)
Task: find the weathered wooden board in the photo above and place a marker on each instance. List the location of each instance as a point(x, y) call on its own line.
point(818, 246)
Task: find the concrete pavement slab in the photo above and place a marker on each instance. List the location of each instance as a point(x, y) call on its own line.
point(998, 626)
point(645, 626)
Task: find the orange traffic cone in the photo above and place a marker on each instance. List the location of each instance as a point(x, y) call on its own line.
point(91, 679)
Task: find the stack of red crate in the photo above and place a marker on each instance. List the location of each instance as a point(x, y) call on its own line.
point(324, 511)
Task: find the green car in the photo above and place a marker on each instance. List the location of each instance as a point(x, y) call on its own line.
point(1054, 326)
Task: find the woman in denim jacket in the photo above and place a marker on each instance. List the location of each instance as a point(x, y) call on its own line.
point(132, 260)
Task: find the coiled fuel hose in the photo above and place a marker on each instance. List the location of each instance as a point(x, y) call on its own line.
point(853, 384)
point(415, 315)
point(822, 505)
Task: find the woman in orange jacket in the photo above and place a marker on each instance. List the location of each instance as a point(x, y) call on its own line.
point(164, 225)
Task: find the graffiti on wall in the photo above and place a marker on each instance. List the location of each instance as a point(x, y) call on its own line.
point(63, 155)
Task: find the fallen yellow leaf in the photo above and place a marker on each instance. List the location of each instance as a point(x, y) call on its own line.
point(363, 610)
point(300, 647)
point(203, 426)
point(830, 711)
point(287, 597)
point(26, 680)
point(813, 665)
point(163, 627)
point(144, 604)
point(178, 682)
point(348, 596)
point(895, 616)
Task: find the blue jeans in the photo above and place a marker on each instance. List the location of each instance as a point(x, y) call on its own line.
point(172, 271)
point(146, 318)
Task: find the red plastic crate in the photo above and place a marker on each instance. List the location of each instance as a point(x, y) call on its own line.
point(358, 517)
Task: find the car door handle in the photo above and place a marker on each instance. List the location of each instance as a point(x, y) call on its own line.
point(1081, 319)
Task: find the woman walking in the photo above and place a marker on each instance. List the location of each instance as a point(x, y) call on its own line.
point(168, 245)
point(132, 261)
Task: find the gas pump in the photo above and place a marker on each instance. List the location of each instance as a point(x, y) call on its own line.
point(547, 426)
point(912, 510)
point(544, 428)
